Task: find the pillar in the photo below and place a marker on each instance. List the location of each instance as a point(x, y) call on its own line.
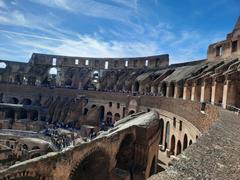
point(167, 90)
point(213, 92)
point(202, 92)
point(185, 92)
point(193, 92)
point(225, 92)
point(176, 91)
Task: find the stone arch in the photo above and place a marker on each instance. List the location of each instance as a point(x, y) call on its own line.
point(131, 112)
point(24, 146)
point(179, 147)
point(17, 79)
point(153, 167)
point(26, 101)
point(53, 71)
point(190, 142)
point(136, 86)
point(185, 142)
point(101, 113)
point(161, 131)
point(167, 135)
point(180, 89)
point(164, 89)
point(3, 65)
point(31, 80)
point(22, 114)
point(116, 117)
point(172, 144)
point(94, 163)
point(171, 90)
point(109, 118)
point(93, 106)
point(9, 114)
point(68, 82)
point(34, 115)
point(13, 100)
point(219, 93)
point(125, 154)
point(85, 111)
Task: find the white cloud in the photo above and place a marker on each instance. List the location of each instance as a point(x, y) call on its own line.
point(93, 8)
point(83, 45)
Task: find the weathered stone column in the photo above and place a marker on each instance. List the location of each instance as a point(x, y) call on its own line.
point(225, 93)
point(214, 86)
point(185, 92)
point(176, 91)
point(202, 92)
point(167, 90)
point(193, 91)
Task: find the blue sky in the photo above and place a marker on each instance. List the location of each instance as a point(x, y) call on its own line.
point(114, 28)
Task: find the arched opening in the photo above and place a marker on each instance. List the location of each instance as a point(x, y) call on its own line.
point(161, 131)
point(136, 86)
point(185, 142)
point(31, 80)
point(53, 71)
point(219, 93)
point(190, 142)
point(153, 167)
point(95, 75)
point(180, 89)
point(26, 101)
point(208, 92)
point(125, 155)
point(188, 92)
point(197, 93)
point(93, 106)
point(131, 112)
point(179, 148)
point(167, 134)
point(13, 100)
point(101, 113)
point(17, 79)
point(68, 82)
point(172, 145)
point(85, 111)
point(163, 91)
point(116, 117)
point(9, 114)
point(171, 89)
point(34, 115)
point(24, 146)
point(3, 65)
point(22, 114)
point(109, 119)
point(94, 166)
point(106, 65)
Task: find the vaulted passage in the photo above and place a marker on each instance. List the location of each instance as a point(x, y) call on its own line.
point(93, 167)
point(125, 155)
